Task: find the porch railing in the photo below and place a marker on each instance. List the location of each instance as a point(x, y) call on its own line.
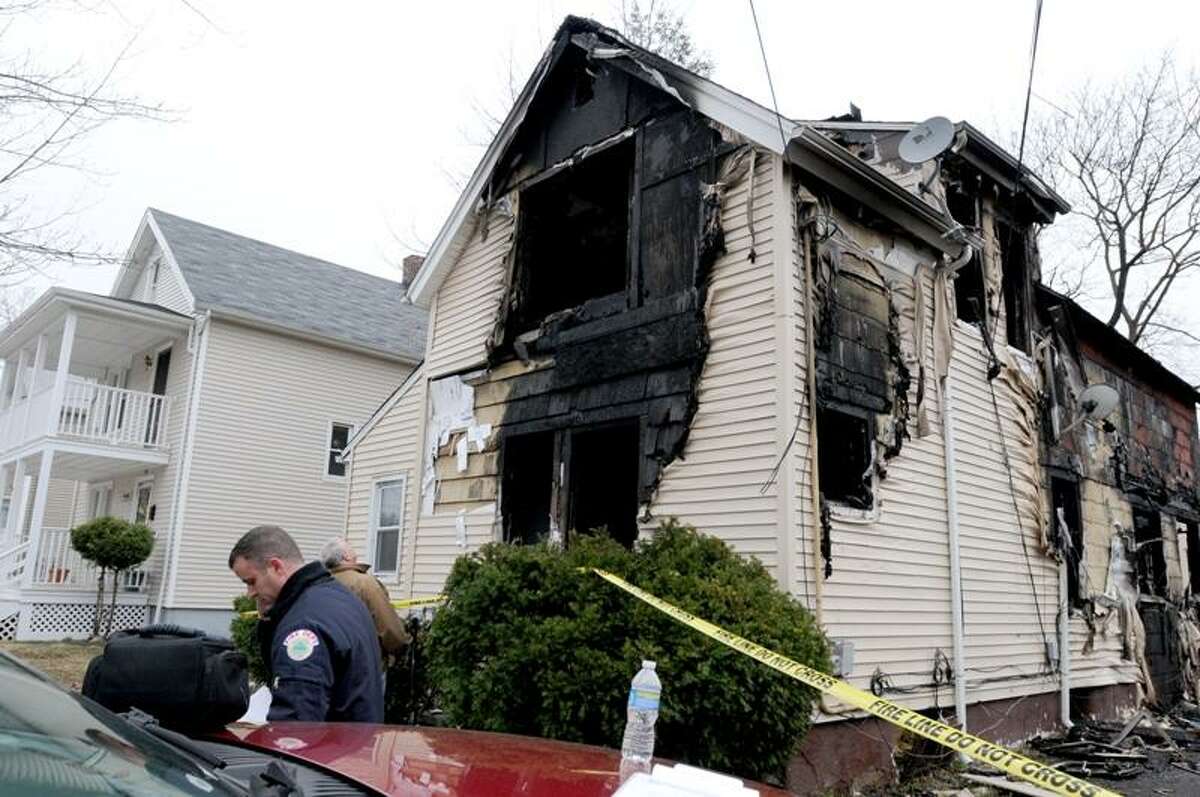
point(60, 565)
point(113, 415)
point(12, 564)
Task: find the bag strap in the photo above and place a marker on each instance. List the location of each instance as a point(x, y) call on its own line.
point(170, 629)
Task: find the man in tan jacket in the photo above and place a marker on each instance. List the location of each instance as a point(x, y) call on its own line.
point(341, 560)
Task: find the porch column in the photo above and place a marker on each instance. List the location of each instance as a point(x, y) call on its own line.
point(16, 507)
point(39, 513)
point(60, 375)
point(39, 365)
point(11, 387)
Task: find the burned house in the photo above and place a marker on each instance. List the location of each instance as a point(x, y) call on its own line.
point(658, 299)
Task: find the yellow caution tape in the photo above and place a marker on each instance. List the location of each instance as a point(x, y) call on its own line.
point(1013, 763)
point(407, 603)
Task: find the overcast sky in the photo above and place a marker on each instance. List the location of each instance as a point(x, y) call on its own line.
point(336, 129)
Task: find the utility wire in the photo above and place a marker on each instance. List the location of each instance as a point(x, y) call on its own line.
point(770, 84)
point(1037, 26)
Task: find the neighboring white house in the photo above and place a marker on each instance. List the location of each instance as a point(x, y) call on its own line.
point(211, 391)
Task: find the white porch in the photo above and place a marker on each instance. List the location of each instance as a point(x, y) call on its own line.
point(74, 407)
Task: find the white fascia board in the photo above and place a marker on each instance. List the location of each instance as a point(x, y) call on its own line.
point(383, 409)
point(81, 300)
point(165, 245)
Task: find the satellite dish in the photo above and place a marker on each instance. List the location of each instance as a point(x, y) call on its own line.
point(927, 140)
point(1098, 401)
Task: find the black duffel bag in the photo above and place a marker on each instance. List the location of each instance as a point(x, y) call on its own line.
point(184, 678)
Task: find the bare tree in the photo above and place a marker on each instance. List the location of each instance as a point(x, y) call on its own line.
point(45, 113)
point(1127, 156)
point(662, 30)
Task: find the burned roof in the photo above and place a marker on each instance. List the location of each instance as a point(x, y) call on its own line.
point(1084, 324)
point(241, 275)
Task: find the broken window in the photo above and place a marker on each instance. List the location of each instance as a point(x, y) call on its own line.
point(1014, 265)
point(969, 303)
point(844, 446)
point(1151, 562)
point(526, 487)
point(1064, 495)
point(574, 234)
point(603, 487)
point(595, 470)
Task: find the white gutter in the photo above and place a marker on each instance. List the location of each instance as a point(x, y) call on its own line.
point(183, 472)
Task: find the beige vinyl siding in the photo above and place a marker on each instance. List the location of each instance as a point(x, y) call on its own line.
point(732, 445)
point(262, 437)
point(171, 291)
point(468, 301)
point(388, 450)
point(889, 592)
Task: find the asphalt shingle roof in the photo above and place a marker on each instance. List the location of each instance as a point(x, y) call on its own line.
point(228, 271)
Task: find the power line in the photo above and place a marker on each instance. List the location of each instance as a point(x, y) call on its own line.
point(770, 84)
point(1037, 26)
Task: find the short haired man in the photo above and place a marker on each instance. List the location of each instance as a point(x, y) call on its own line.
point(342, 562)
point(317, 640)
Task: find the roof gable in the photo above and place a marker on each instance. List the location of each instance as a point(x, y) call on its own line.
point(255, 280)
point(811, 151)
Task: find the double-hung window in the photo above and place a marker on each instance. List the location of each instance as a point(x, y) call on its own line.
point(339, 437)
point(387, 522)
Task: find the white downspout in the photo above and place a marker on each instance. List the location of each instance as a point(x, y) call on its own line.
point(956, 606)
point(1064, 647)
point(182, 471)
point(958, 630)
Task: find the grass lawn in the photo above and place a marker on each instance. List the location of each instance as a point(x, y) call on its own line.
point(65, 662)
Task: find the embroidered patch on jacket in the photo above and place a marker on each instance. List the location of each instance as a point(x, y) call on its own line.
point(300, 644)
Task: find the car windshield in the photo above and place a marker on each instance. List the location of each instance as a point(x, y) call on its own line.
point(56, 743)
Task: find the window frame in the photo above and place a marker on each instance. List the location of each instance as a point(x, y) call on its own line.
point(144, 481)
point(95, 490)
point(329, 449)
point(373, 527)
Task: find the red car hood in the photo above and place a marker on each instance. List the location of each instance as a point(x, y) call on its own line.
point(411, 761)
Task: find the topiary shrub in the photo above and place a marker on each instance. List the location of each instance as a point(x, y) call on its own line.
point(113, 545)
point(529, 644)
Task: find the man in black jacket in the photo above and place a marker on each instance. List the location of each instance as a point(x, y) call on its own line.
point(318, 641)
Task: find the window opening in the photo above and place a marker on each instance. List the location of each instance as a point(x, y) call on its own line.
point(387, 522)
point(1064, 495)
point(844, 442)
point(1014, 283)
point(1151, 563)
point(339, 438)
point(574, 234)
point(1192, 529)
point(603, 483)
point(969, 304)
point(100, 501)
point(526, 487)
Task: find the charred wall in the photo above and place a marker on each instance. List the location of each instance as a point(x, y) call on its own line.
point(594, 336)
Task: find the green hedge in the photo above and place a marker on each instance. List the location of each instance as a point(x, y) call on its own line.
point(529, 644)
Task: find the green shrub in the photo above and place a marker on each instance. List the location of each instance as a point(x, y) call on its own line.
point(530, 644)
point(244, 633)
point(113, 545)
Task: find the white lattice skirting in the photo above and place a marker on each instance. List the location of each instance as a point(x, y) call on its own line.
point(53, 621)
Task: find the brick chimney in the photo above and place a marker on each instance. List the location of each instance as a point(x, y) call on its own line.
point(412, 264)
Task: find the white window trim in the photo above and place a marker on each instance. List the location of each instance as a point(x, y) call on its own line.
point(373, 524)
point(328, 447)
point(93, 489)
point(137, 485)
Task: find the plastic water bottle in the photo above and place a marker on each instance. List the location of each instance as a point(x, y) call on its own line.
point(637, 746)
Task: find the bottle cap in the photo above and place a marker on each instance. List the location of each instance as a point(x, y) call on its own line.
point(647, 664)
